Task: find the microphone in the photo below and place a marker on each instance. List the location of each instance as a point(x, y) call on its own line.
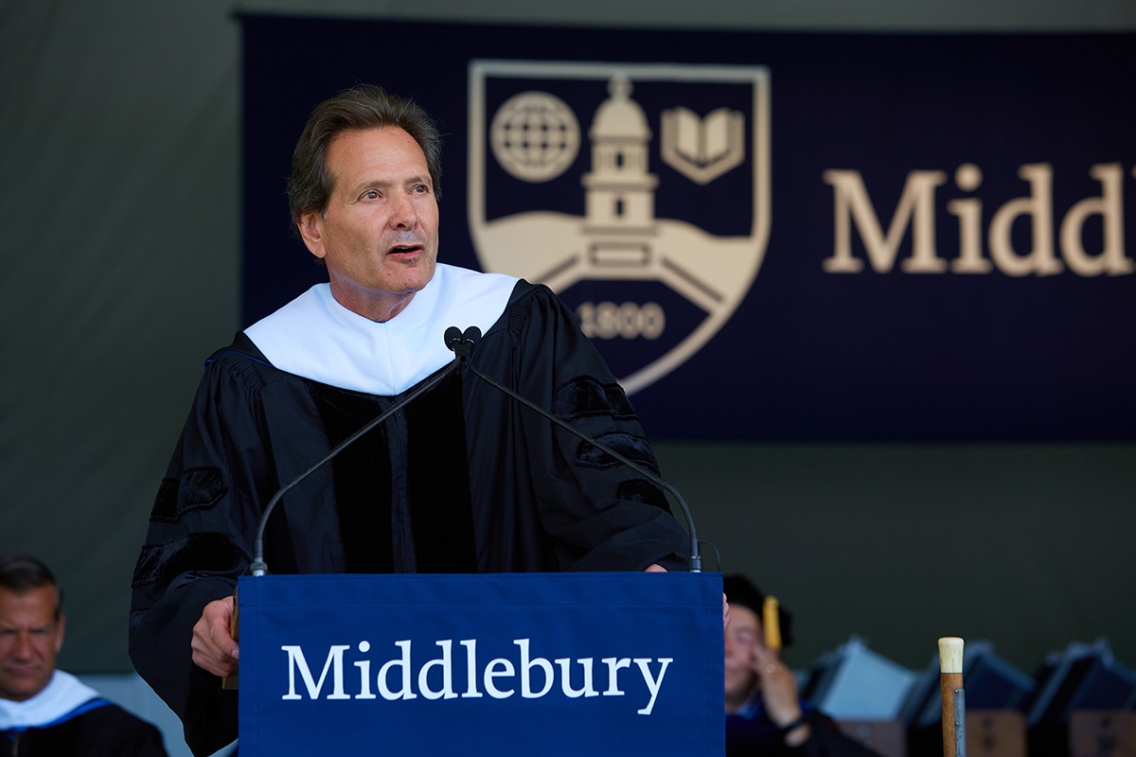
point(461, 343)
point(258, 566)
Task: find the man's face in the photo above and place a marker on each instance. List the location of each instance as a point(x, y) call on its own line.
point(742, 635)
point(379, 234)
point(30, 638)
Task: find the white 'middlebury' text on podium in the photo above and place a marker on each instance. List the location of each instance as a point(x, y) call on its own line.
point(497, 677)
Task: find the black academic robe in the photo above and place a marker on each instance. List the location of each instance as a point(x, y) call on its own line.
point(757, 736)
point(105, 731)
point(463, 480)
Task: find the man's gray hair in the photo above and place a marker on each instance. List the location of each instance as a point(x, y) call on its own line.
point(362, 107)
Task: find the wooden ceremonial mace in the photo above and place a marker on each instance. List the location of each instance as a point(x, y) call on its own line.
point(953, 696)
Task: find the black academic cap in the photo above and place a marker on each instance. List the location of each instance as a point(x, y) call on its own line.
point(741, 592)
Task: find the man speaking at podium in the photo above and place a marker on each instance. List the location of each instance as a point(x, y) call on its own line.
point(463, 480)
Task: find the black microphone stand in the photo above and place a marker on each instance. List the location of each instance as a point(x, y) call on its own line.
point(462, 344)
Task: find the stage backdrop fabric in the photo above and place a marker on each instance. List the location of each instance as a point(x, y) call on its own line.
point(768, 236)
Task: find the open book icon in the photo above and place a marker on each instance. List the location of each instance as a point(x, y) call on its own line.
point(702, 149)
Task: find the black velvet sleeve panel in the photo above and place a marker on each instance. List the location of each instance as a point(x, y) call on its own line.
point(200, 539)
point(596, 513)
point(759, 738)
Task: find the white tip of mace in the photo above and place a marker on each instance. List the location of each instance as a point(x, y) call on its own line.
point(950, 654)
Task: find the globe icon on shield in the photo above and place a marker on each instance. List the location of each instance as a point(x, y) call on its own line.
point(535, 136)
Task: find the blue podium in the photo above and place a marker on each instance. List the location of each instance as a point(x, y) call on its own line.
point(503, 664)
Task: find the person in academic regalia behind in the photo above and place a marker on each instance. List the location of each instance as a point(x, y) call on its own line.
point(765, 717)
point(463, 480)
point(43, 710)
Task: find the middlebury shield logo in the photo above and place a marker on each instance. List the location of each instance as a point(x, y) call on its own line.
point(638, 192)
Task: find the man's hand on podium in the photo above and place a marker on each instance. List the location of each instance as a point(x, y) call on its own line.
point(656, 568)
point(214, 648)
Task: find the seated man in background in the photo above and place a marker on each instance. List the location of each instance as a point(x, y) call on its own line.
point(764, 714)
point(44, 711)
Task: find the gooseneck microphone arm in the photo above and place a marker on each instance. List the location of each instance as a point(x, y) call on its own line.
point(258, 566)
point(462, 344)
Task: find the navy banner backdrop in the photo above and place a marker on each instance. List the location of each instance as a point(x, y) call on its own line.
point(768, 236)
